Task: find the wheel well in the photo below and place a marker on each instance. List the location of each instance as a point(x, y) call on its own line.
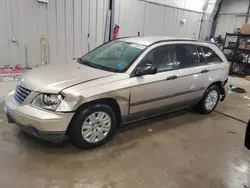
point(108, 101)
point(219, 84)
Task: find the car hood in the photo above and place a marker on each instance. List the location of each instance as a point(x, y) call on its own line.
point(54, 78)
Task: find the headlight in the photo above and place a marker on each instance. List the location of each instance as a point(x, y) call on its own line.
point(47, 101)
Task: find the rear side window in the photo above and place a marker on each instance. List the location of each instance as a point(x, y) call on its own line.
point(211, 56)
point(188, 56)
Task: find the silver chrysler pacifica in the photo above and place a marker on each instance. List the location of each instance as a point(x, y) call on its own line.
point(121, 81)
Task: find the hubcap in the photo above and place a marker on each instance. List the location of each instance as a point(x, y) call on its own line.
point(96, 127)
point(211, 100)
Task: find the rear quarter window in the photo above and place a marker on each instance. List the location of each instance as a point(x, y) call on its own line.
point(211, 56)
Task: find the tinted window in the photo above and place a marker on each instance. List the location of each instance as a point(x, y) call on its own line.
point(162, 57)
point(188, 56)
point(211, 56)
point(201, 55)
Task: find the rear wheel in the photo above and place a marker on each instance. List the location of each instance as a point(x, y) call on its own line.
point(210, 100)
point(93, 126)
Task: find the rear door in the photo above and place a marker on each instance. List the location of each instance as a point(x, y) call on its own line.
point(193, 73)
point(215, 65)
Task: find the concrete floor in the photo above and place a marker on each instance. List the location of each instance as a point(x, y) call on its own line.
point(182, 149)
point(6, 87)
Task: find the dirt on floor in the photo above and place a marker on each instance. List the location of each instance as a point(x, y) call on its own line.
point(182, 149)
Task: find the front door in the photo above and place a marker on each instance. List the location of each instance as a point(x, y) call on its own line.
point(151, 92)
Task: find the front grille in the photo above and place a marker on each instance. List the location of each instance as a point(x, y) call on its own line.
point(21, 94)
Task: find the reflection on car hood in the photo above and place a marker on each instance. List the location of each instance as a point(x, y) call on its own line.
point(54, 78)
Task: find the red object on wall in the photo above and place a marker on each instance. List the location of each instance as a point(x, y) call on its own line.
point(18, 68)
point(116, 31)
point(9, 70)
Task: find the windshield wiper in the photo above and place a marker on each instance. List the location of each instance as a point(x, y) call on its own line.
point(88, 63)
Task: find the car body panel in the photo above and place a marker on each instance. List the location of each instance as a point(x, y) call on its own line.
point(152, 91)
point(54, 78)
point(116, 87)
point(40, 119)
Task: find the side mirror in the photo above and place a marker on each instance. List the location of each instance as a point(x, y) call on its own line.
point(146, 69)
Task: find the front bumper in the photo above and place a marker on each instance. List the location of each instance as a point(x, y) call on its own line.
point(50, 126)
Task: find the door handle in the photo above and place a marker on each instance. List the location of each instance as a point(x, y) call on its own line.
point(204, 71)
point(172, 77)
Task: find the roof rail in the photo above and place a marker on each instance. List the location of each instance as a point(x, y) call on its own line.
point(176, 40)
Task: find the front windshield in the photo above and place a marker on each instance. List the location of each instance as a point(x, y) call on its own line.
point(114, 56)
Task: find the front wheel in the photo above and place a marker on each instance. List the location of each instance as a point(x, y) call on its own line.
point(210, 100)
point(93, 126)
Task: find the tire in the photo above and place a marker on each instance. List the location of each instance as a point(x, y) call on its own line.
point(88, 118)
point(203, 106)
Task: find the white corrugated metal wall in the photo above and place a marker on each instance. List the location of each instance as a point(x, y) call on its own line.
point(228, 23)
point(32, 33)
point(232, 14)
point(135, 16)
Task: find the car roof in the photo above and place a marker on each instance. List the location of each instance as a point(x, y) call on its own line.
point(147, 41)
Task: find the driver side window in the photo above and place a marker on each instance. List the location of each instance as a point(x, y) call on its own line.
point(163, 57)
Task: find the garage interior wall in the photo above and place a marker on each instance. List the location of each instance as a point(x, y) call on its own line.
point(232, 14)
point(208, 19)
point(195, 5)
point(33, 33)
point(150, 18)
